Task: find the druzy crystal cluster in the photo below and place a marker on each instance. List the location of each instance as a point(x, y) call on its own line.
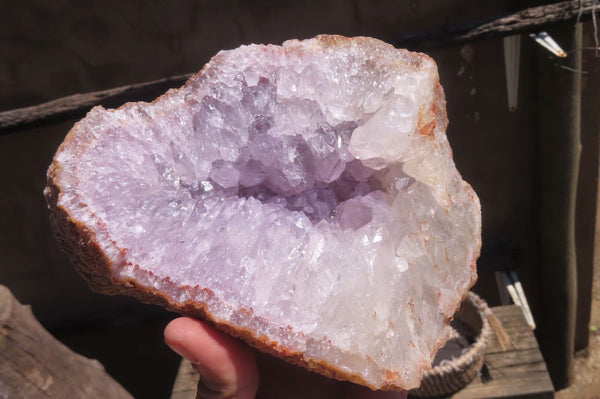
point(302, 197)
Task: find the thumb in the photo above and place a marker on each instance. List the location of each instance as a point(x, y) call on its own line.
point(226, 366)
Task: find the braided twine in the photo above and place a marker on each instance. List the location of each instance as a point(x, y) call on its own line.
point(450, 376)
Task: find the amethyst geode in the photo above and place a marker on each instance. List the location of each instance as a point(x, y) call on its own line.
point(302, 197)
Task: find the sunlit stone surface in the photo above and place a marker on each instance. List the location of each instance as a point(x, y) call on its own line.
point(304, 192)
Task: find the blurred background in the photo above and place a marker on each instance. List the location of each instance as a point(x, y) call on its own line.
point(51, 49)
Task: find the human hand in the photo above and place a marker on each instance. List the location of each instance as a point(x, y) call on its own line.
point(229, 369)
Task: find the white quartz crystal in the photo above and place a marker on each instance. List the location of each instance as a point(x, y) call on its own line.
point(310, 185)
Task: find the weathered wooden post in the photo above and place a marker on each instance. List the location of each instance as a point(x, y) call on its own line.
point(33, 364)
point(560, 148)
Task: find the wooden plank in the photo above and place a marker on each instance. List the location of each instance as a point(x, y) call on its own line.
point(514, 358)
point(511, 387)
point(559, 116)
point(512, 321)
point(519, 372)
point(587, 192)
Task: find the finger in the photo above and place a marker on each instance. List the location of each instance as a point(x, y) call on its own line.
point(226, 366)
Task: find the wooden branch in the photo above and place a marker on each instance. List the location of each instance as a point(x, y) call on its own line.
point(33, 364)
point(76, 105)
point(535, 18)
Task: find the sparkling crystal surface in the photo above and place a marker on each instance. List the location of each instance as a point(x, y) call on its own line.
point(304, 192)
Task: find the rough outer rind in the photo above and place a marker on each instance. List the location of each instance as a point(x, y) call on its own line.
point(80, 244)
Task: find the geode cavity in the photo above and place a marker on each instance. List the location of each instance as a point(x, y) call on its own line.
point(302, 197)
